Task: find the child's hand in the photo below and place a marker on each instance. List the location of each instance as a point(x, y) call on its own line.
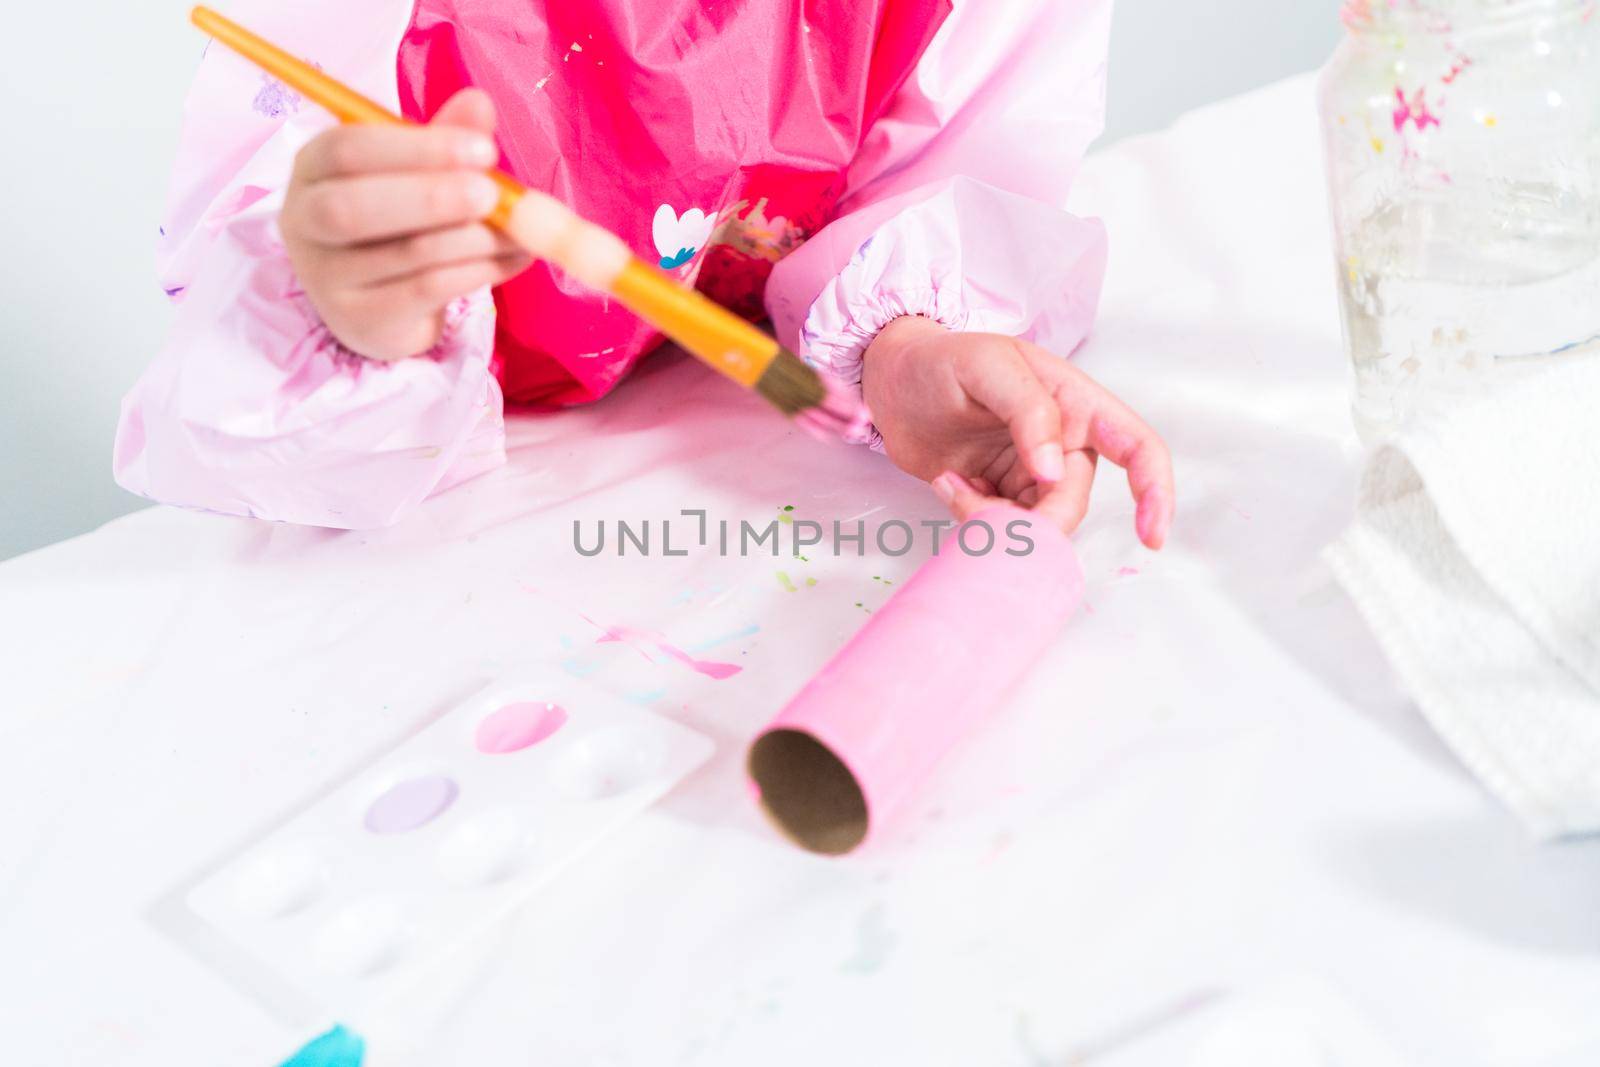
point(384, 226)
point(986, 416)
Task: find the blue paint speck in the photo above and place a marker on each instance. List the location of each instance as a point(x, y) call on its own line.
point(336, 1048)
point(875, 943)
point(579, 669)
point(673, 262)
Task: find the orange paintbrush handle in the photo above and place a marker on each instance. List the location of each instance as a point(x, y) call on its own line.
point(346, 104)
point(541, 224)
point(343, 102)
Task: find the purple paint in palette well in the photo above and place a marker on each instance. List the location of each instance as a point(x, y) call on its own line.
point(411, 804)
point(519, 726)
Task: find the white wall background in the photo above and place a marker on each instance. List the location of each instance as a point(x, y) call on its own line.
point(93, 92)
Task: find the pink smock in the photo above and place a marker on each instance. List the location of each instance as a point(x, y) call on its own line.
point(830, 164)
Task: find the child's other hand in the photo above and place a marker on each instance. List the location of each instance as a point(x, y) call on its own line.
point(384, 226)
point(985, 417)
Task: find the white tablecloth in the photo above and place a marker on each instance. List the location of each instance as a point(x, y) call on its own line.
point(1208, 823)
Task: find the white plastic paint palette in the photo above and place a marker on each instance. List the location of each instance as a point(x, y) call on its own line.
point(350, 901)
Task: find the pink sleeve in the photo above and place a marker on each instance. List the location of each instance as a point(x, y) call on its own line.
point(252, 407)
point(954, 206)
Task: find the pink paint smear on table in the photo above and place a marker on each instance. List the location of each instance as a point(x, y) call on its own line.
point(634, 638)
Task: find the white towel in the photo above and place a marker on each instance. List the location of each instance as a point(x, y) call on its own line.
point(1475, 558)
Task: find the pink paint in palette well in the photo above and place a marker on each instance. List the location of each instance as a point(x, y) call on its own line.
point(519, 726)
point(354, 897)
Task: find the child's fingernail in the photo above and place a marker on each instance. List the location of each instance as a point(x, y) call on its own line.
point(476, 151)
point(1150, 520)
point(945, 487)
point(482, 194)
point(1048, 463)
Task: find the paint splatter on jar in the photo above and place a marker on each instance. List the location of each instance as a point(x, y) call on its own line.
point(1463, 143)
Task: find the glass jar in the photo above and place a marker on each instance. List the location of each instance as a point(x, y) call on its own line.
point(1463, 148)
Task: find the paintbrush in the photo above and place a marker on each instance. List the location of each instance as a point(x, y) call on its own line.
point(597, 258)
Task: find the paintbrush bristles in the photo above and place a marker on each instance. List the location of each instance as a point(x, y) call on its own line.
point(790, 385)
point(841, 416)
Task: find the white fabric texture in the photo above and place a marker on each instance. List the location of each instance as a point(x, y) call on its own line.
point(1476, 559)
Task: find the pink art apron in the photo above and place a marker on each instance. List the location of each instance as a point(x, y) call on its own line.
point(711, 135)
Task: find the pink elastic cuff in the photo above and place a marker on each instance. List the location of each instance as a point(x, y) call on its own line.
point(462, 316)
point(974, 259)
point(839, 343)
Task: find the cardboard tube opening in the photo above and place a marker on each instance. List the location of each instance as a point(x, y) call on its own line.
point(808, 792)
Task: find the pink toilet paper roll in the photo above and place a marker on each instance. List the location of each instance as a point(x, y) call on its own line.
point(854, 745)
